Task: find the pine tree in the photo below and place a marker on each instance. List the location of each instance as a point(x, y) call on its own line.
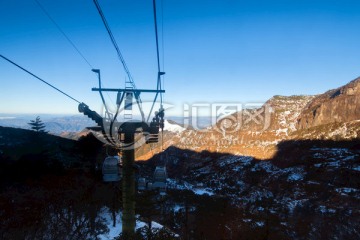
point(37, 125)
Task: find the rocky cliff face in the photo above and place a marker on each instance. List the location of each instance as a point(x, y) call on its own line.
point(334, 115)
point(334, 106)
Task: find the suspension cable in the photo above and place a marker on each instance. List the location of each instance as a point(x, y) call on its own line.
point(63, 33)
point(39, 79)
point(68, 39)
point(162, 34)
point(114, 43)
point(158, 63)
point(157, 51)
point(162, 45)
point(156, 36)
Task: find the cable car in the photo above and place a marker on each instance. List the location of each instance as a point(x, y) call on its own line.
point(159, 180)
point(142, 184)
point(111, 169)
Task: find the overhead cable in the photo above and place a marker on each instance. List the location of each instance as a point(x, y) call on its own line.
point(42, 80)
point(114, 43)
point(63, 33)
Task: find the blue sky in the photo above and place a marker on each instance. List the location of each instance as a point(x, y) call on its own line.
point(214, 51)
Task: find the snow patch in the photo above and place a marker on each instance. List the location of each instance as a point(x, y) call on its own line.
point(356, 168)
point(282, 131)
point(260, 224)
point(295, 177)
point(324, 209)
point(173, 127)
point(345, 190)
point(292, 204)
point(114, 231)
point(202, 191)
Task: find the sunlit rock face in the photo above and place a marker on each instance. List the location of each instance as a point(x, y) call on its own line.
point(334, 106)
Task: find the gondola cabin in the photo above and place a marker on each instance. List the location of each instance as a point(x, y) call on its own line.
point(111, 169)
point(142, 184)
point(159, 181)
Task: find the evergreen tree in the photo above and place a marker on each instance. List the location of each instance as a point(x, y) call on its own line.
point(37, 125)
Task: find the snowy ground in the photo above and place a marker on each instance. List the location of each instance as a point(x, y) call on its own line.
point(114, 231)
point(173, 127)
point(171, 183)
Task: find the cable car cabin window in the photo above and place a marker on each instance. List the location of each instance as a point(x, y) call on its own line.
point(111, 169)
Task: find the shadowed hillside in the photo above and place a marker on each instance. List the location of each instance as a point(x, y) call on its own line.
point(308, 187)
point(25, 153)
point(305, 189)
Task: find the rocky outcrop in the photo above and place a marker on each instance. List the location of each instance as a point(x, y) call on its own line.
point(334, 106)
point(257, 131)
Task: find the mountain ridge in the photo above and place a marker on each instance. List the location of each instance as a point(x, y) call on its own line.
point(285, 116)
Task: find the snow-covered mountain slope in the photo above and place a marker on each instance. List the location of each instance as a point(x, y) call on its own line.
point(315, 181)
point(172, 126)
point(114, 231)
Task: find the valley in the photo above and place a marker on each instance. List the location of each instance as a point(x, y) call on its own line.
point(290, 180)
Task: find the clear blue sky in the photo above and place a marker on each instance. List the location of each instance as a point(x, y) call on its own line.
point(214, 51)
